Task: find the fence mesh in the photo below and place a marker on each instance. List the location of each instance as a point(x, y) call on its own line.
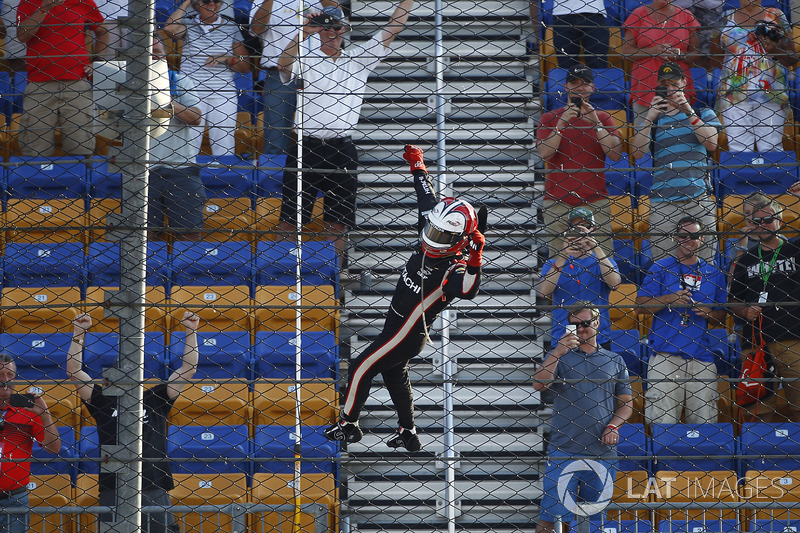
point(628, 364)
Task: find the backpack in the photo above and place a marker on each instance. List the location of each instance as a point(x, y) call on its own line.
point(756, 382)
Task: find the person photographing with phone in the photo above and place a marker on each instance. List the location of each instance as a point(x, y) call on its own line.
point(574, 142)
point(680, 141)
point(23, 419)
point(580, 271)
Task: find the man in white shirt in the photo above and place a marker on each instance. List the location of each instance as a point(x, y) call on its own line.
point(328, 111)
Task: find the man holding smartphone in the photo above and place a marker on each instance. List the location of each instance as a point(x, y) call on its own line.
point(574, 142)
point(23, 419)
point(681, 141)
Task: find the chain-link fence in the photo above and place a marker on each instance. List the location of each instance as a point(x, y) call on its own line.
point(213, 244)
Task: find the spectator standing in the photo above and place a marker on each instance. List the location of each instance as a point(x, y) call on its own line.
point(19, 427)
point(157, 401)
point(581, 271)
point(276, 22)
point(175, 188)
point(212, 52)
point(573, 142)
point(708, 14)
point(580, 24)
point(334, 84)
point(765, 290)
point(652, 35)
point(681, 142)
point(593, 399)
point(112, 11)
point(14, 49)
point(683, 292)
point(753, 91)
point(59, 93)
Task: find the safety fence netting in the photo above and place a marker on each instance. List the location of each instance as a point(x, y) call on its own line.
point(279, 278)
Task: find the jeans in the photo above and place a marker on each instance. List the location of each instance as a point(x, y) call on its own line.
point(280, 101)
point(576, 29)
point(14, 523)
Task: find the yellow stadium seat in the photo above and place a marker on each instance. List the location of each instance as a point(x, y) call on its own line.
point(39, 309)
point(61, 398)
point(772, 486)
point(615, 57)
point(221, 308)
point(275, 308)
point(204, 489)
point(55, 220)
point(87, 494)
point(274, 402)
point(620, 118)
point(631, 487)
point(696, 488)
point(155, 314)
point(637, 386)
point(623, 307)
point(54, 490)
point(227, 219)
point(99, 209)
point(280, 489)
point(268, 211)
point(547, 54)
point(208, 403)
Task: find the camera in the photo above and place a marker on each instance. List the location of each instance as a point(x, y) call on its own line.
point(21, 400)
point(323, 20)
point(661, 90)
point(769, 30)
point(576, 101)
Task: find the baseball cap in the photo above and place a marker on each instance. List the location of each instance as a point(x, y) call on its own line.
point(580, 72)
point(670, 71)
point(584, 213)
point(335, 12)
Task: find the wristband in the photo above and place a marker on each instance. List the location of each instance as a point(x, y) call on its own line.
point(696, 121)
point(76, 340)
point(612, 426)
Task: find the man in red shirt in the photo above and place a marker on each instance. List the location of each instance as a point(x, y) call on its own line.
point(19, 426)
point(59, 66)
point(573, 142)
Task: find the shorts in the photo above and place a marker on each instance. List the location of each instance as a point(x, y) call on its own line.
point(333, 164)
point(584, 486)
point(178, 194)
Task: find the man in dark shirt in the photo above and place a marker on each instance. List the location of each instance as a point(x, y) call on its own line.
point(765, 290)
point(156, 474)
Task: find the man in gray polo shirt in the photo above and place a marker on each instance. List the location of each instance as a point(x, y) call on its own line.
point(175, 188)
point(592, 400)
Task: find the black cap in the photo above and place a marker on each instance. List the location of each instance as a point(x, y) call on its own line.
point(580, 72)
point(670, 71)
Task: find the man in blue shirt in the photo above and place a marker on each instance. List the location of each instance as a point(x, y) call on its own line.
point(682, 292)
point(592, 400)
point(681, 142)
point(581, 271)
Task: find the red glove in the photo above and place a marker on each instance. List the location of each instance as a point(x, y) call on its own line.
point(413, 155)
point(476, 243)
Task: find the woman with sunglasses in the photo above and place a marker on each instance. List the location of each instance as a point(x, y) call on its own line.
point(212, 52)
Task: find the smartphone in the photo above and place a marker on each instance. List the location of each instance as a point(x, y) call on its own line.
point(576, 101)
point(322, 20)
point(21, 400)
point(661, 90)
point(572, 328)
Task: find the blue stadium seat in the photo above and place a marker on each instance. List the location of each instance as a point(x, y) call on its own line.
point(226, 176)
point(269, 175)
point(275, 263)
point(241, 11)
point(775, 439)
point(774, 526)
point(6, 96)
point(717, 342)
point(46, 178)
point(103, 183)
point(274, 355)
point(627, 259)
point(44, 265)
point(20, 83)
point(246, 96)
point(672, 442)
point(219, 449)
point(273, 447)
point(633, 442)
point(768, 172)
point(619, 177)
point(643, 176)
point(102, 264)
point(223, 355)
point(705, 526)
point(612, 89)
point(212, 263)
point(69, 450)
point(702, 88)
point(164, 9)
point(101, 350)
point(622, 526)
point(89, 451)
point(38, 356)
point(627, 343)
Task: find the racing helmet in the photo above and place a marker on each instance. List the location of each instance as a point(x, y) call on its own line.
point(448, 227)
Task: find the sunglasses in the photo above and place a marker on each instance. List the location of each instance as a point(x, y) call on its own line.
point(206, 2)
point(334, 28)
point(689, 235)
point(763, 220)
point(583, 324)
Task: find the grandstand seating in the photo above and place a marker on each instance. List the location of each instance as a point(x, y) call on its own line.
point(623, 307)
point(223, 355)
point(275, 263)
point(628, 344)
point(101, 350)
point(210, 403)
point(155, 317)
point(633, 442)
point(221, 308)
point(775, 446)
point(103, 262)
point(745, 172)
point(205, 489)
point(772, 485)
point(217, 449)
point(212, 263)
point(49, 463)
point(274, 402)
point(228, 209)
point(631, 487)
point(87, 494)
point(43, 265)
point(274, 355)
point(275, 447)
point(772, 526)
point(276, 308)
point(282, 489)
point(704, 447)
point(51, 490)
point(696, 488)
